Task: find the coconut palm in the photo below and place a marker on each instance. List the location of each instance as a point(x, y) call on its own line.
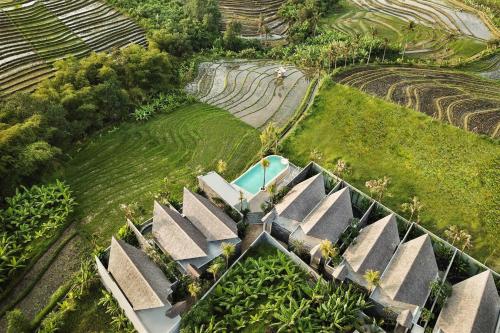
point(270, 137)
point(410, 28)
point(386, 42)
point(215, 268)
point(378, 186)
point(372, 278)
point(414, 207)
point(265, 164)
point(241, 198)
point(373, 33)
point(328, 250)
point(340, 168)
point(194, 289)
point(221, 166)
point(452, 233)
point(228, 250)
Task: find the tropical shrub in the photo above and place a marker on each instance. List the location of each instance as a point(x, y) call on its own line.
point(272, 291)
point(164, 103)
point(119, 322)
point(30, 216)
point(17, 322)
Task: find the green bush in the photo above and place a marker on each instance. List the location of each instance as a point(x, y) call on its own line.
point(29, 217)
point(17, 322)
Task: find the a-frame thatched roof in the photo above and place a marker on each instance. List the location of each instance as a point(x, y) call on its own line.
point(330, 218)
point(374, 246)
point(302, 198)
point(473, 306)
point(410, 272)
point(142, 282)
point(176, 235)
point(213, 223)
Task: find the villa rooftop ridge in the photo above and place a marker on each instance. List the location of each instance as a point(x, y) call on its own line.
point(302, 198)
point(177, 235)
point(143, 283)
point(208, 219)
point(410, 271)
point(330, 218)
point(374, 246)
point(473, 306)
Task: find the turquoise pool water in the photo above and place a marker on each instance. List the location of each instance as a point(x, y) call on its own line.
point(251, 181)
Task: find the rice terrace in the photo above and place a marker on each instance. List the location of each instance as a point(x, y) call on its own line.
point(211, 166)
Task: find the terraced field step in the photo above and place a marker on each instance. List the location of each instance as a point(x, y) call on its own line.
point(37, 33)
point(252, 90)
point(434, 13)
point(460, 99)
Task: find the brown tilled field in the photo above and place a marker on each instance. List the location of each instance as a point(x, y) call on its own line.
point(463, 100)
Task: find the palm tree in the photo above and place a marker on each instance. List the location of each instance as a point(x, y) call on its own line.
point(270, 137)
point(372, 277)
point(453, 233)
point(194, 289)
point(241, 198)
point(466, 240)
point(414, 207)
point(271, 190)
point(378, 186)
point(265, 164)
point(386, 42)
point(228, 249)
point(373, 33)
point(215, 268)
point(328, 250)
point(221, 166)
point(262, 24)
point(340, 168)
point(410, 28)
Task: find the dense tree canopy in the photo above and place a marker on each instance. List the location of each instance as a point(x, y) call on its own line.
point(84, 96)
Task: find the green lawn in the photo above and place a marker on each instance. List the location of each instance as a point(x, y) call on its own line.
point(456, 174)
point(127, 165)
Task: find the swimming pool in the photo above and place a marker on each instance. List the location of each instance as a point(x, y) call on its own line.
point(251, 181)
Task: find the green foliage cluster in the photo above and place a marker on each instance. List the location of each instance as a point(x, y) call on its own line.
point(178, 27)
point(303, 17)
point(272, 291)
point(84, 96)
point(119, 322)
point(163, 103)
point(30, 216)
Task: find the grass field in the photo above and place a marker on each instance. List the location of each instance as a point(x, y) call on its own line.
point(454, 173)
point(128, 164)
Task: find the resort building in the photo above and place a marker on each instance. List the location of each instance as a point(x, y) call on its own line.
point(328, 220)
point(317, 206)
point(404, 285)
point(473, 307)
point(372, 249)
point(193, 238)
point(140, 288)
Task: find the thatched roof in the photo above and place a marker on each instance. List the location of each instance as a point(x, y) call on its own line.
point(302, 198)
point(473, 306)
point(142, 282)
point(176, 235)
point(374, 246)
point(213, 223)
point(330, 218)
point(410, 272)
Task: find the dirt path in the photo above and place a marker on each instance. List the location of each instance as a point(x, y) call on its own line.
point(253, 231)
point(65, 250)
